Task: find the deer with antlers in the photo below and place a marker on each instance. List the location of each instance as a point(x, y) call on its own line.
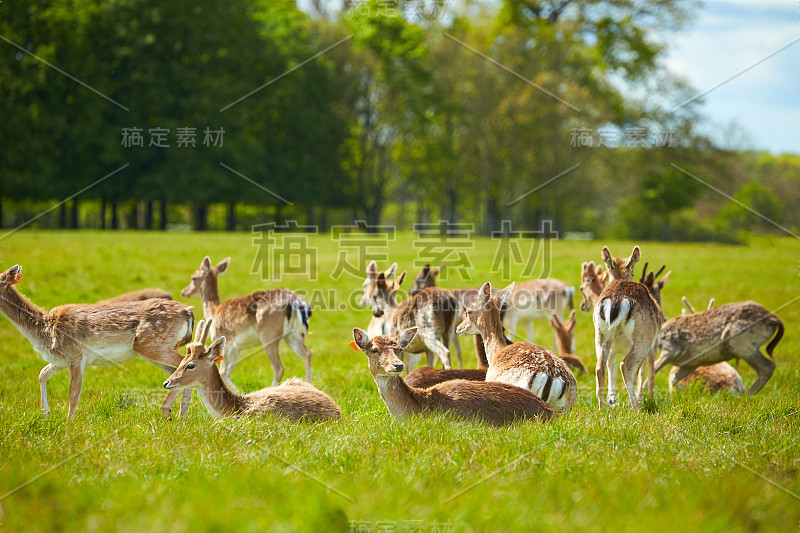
point(522, 364)
point(262, 318)
point(75, 336)
point(294, 400)
point(497, 404)
point(627, 320)
point(432, 310)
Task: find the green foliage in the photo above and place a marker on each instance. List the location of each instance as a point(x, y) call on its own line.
point(754, 203)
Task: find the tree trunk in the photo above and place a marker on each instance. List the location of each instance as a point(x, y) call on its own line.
point(62, 216)
point(103, 212)
point(148, 215)
point(114, 215)
point(492, 214)
point(310, 215)
point(323, 221)
point(231, 223)
point(278, 215)
point(201, 217)
point(162, 223)
point(75, 214)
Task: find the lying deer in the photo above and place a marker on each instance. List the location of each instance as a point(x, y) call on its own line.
point(565, 341)
point(377, 324)
point(135, 296)
point(432, 310)
point(715, 378)
point(497, 404)
point(264, 317)
point(79, 335)
point(294, 400)
point(627, 319)
point(522, 364)
point(730, 331)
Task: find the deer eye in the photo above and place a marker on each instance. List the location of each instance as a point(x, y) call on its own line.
point(190, 366)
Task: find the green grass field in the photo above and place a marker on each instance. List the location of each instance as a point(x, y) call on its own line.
point(690, 461)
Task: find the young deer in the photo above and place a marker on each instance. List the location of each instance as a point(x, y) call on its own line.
point(536, 299)
point(627, 320)
point(565, 341)
point(294, 399)
point(135, 296)
point(264, 317)
point(522, 364)
point(593, 281)
point(79, 335)
point(730, 331)
point(377, 324)
point(432, 310)
point(497, 404)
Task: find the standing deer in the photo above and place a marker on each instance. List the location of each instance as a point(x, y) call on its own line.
point(294, 399)
point(522, 364)
point(627, 320)
point(264, 317)
point(536, 299)
point(565, 337)
point(432, 310)
point(377, 324)
point(730, 331)
point(497, 404)
point(75, 336)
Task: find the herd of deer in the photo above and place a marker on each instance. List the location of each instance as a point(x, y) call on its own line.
point(514, 380)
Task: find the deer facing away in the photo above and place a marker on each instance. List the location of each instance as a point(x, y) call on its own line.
point(75, 336)
point(262, 318)
point(497, 404)
point(294, 400)
point(522, 364)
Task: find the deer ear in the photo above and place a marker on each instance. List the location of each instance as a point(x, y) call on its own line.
point(405, 337)
point(485, 292)
point(634, 258)
point(505, 294)
point(205, 264)
point(215, 350)
point(607, 259)
point(400, 278)
point(436, 271)
point(664, 279)
point(361, 338)
point(389, 271)
point(372, 268)
point(426, 268)
point(222, 265)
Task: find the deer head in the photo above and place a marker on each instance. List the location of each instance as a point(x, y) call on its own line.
point(620, 268)
point(426, 278)
point(484, 312)
point(196, 367)
point(11, 276)
point(370, 283)
point(593, 279)
point(385, 353)
point(385, 297)
point(204, 275)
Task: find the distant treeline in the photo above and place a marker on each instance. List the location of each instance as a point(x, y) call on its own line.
point(221, 115)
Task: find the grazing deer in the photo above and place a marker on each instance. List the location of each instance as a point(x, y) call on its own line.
point(135, 296)
point(627, 320)
point(264, 317)
point(294, 399)
point(75, 336)
point(377, 324)
point(522, 364)
point(715, 378)
point(536, 299)
point(593, 281)
point(497, 404)
point(730, 331)
point(565, 337)
point(432, 310)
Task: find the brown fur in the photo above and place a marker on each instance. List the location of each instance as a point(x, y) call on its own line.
point(621, 267)
point(522, 364)
point(565, 339)
point(294, 400)
point(263, 317)
point(135, 296)
point(78, 335)
point(496, 404)
point(715, 378)
point(730, 331)
point(593, 281)
point(425, 377)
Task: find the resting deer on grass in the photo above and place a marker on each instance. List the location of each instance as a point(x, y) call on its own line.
point(377, 324)
point(432, 310)
point(294, 399)
point(565, 341)
point(75, 336)
point(135, 296)
point(497, 404)
point(730, 331)
point(522, 364)
point(627, 320)
point(264, 317)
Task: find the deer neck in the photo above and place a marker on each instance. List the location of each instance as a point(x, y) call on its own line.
point(492, 332)
point(209, 293)
point(400, 399)
point(27, 317)
point(218, 398)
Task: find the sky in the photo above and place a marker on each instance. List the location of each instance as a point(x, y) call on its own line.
point(760, 109)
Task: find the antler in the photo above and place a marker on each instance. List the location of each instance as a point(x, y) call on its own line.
point(206, 331)
point(687, 304)
point(198, 332)
point(659, 271)
point(644, 272)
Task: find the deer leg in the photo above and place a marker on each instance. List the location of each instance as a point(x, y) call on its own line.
point(511, 326)
point(44, 375)
point(75, 385)
point(764, 368)
point(298, 345)
point(230, 356)
point(436, 346)
point(270, 344)
point(457, 346)
point(651, 375)
point(529, 328)
point(411, 360)
point(629, 368)
point(601, 349)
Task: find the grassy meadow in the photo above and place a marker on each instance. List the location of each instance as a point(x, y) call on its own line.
point(690, 461)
